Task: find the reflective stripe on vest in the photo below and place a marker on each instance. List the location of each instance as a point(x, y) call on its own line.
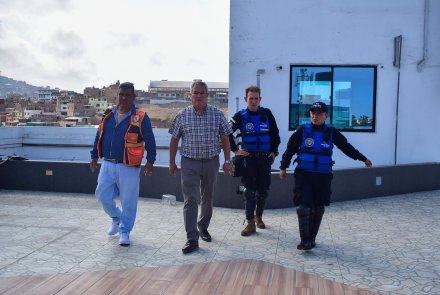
point(256, 131)
point(315, 153)
point(133, 147)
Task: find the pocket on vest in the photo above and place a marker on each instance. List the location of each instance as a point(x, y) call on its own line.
point(132, 137)
point(135, 155)
point(323, 164)
point(307, 161)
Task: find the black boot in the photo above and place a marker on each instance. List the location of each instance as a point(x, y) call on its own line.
point(249, 203)
point(303, 212)
point(312, 240)
point(315, 223)
point(261, 202)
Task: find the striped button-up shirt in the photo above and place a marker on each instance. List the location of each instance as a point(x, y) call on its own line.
point(200, 133)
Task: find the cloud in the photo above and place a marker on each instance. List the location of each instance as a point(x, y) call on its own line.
point(2, 30)
point(125, 40)
point(194, 62)
point(37, 7)
point(58, 62)
point(156, 59)
point(65, 44)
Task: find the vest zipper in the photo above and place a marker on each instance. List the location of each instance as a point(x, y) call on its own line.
point(111, 144)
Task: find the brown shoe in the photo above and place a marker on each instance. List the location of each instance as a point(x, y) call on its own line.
point(250, 228)
point(259, 221)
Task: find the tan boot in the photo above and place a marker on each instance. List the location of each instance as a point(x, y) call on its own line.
point(259, 221)
point(250, 228)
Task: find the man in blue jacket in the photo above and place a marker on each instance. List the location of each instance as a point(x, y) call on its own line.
point(120, 143)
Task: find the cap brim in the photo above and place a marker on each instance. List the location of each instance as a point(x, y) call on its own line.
point(316, 109)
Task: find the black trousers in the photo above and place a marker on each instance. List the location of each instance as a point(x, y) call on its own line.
point(312, 188)
point(257, 174)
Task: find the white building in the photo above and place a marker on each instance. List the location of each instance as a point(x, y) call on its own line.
point(171, 91)
point(343, 53)
point(30, 113)
point(44, 94)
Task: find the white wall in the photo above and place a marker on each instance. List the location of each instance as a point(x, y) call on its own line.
point(264, 35)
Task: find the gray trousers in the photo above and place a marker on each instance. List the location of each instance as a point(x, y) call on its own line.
point(198, 184)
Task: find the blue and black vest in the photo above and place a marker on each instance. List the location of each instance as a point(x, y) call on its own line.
point(315, 153)
point(255, 132)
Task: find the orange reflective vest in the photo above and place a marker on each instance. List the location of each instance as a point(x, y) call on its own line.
point(134, 148)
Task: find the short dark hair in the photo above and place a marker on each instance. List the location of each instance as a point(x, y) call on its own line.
point(198, 83)
point(127, 85)
point(253, 88)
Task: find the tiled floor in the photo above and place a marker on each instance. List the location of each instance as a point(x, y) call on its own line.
point(389, 245)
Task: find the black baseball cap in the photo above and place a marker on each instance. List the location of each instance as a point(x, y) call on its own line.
point(320, 107)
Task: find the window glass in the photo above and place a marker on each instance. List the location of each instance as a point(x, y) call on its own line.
point(309, 85)
point(349, 93)
point(353, 90)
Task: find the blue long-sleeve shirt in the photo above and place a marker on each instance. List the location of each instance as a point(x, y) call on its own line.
point(113, 137)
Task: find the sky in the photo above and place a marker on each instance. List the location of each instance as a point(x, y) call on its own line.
point(73, 44)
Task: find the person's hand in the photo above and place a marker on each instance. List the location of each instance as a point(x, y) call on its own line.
point(241, 152)
point(148, 169)
point(273, 157)
point(283, 175)
point(368, 163)
point(173, 169)
point(226, 168)
point(93, 164)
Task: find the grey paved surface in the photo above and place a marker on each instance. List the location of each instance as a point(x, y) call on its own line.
point(390, 245)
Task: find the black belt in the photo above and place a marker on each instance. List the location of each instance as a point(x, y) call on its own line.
point(114, 161)
point(258, 154)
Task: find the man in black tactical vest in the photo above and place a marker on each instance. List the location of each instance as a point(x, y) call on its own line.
point(260, 141)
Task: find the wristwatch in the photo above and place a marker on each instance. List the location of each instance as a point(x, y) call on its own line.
point(151, 161)
point(228, 162)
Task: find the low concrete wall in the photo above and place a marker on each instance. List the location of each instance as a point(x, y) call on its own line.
point(348, 184)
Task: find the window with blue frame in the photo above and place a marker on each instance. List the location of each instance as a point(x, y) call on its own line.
point(348, 91)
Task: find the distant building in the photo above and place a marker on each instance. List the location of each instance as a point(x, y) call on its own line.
point(17, 116)
point(92, 92)
point(100, 104)
point(73, 121)
point(44, 94)
point(142, 95)
point(179, 90)
point(75, 108)
point(111, 93)
point(31, 113)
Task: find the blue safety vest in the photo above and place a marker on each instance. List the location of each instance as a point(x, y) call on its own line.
point(315, 153)
point(255, 132)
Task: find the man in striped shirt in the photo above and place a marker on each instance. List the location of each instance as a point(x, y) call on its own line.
point(200, 127)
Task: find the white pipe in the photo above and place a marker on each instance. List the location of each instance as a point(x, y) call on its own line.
point(260, 71)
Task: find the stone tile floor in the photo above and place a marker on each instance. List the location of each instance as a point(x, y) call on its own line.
point(390, 245)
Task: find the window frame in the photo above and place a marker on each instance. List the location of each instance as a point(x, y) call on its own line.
point(374, 67)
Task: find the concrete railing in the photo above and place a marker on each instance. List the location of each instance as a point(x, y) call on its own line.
point(348, 184)
point(71, 144)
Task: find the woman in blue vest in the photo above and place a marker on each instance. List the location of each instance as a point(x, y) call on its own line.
point(260, 140)
point(313, 144)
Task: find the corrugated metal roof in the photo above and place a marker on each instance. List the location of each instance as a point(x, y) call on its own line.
point(185, 84)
